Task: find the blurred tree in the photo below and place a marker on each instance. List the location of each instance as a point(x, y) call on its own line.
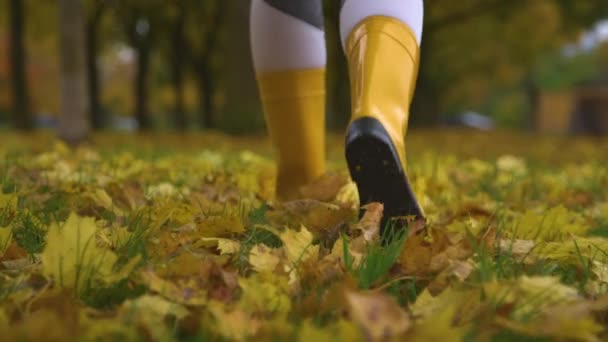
point(242, 110)
point(94, 13)
point(205, 24)
point(177, 60)
point(140, 21)
point(22, 117)
point(73, 120)
point(338, 87)
point(472, 47)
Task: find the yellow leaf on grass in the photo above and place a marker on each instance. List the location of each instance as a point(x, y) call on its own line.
point(71, 256)
point(124, 271)
point(439, 327)
point(101, 198)
point(298, 245)
point(220, 226)
point(151, 312)
point(341, 330)
point(348, 196)
point(378, 315)
point(264, 258)
point(6, 236)
point(235, 324)
point(317, 216)
point(8, 201)
point(265, 294)
point(516, 248)
point(4, 320)
point(182, 292)
point(571, 251)
point(324, 188)
point(552, 225)
point(225, 246)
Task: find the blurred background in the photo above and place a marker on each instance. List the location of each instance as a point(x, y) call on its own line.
point(177, 65)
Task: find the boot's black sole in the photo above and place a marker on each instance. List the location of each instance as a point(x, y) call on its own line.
point(376, 169)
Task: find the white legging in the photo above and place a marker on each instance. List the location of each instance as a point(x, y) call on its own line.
point(288, 34)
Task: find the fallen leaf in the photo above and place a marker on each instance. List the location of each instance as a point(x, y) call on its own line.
point(378, 315)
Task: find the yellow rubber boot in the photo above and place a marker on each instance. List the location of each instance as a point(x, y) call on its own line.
point(383, 57)
point(294, 107)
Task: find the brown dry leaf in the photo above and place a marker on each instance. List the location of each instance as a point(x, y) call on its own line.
point(457, 270)
point(369, 224)
point(517, 248)
point(315, 215)
point(325, 188)
point(378, 315)
point(423, 248)
point(41, 325)
point(447, 257)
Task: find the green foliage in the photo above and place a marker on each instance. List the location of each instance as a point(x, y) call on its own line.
point(557, 72)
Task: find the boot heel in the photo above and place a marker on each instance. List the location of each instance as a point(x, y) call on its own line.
point(375, 167)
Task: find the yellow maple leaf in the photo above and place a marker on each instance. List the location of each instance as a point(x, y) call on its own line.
point(264, 258)
point(225, 246)
point(71, 256)
point(298, 245)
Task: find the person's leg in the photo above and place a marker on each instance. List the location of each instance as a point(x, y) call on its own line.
point(289, 55)
point(381, 41)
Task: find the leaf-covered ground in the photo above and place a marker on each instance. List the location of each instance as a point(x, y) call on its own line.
point(179, 238)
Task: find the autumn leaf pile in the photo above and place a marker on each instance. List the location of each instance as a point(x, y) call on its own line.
point(180, 238)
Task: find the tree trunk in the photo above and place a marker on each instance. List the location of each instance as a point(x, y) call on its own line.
point(424, 109)
point(141, 84)
point(21, 114)
point(92, 27)
point(206, 91)
point(177, 60)
point(74, 125)
point(242, 111)
point(533, 94)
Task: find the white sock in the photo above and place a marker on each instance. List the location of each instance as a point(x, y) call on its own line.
point(281, 41)
point(410, 12)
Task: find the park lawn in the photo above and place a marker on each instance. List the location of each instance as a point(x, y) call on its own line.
point(166, 237)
